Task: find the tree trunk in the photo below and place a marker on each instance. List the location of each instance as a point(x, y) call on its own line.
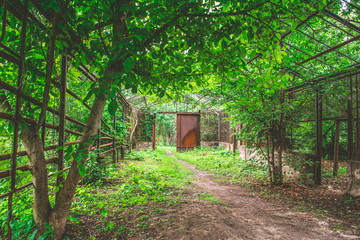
point(34, 148)
point(274, 168)
point(63, 202)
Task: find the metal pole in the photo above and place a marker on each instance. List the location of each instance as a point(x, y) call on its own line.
point(43, 133)
point(154, 133)
point(317, 166)
point(62, 116)
point(350, 123)
point(98, 142)
point(336, 149)
point(17, 118)
point(123, 115)
point(114, 139)
point(357, 156)
point(219, 128)
point(234, 141)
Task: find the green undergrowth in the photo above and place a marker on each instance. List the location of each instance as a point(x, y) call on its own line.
point(153, 179)
point(224, 164)
point(207, 197)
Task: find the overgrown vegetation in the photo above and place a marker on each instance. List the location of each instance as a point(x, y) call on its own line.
point(224, 163)
point(132, 192)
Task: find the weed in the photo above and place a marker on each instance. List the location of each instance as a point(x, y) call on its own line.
point(207, 197)
point(339, 227)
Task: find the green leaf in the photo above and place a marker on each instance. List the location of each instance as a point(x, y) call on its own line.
point(104, 212)
point(60, 148)
point(226, 8)
point(138, 37)
point(134, 89)
point(112, 107)
point(85, 27)
point(10, 127)
point(50, 4)
point(250, 33)
point(72, 218)
point(242, 50)
point(128, 64)
point(33, 235)
point(90, 93)
point(82, 170)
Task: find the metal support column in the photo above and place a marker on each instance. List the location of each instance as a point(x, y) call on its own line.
point(114, 140)
point(98, 143)
point(17, 118)
point(219, 128)
point(62, 116)
point(336, 149)
point(350, 123)
point(154, 133)
point(319, 137)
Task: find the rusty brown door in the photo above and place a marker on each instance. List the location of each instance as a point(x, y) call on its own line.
point(188, 131)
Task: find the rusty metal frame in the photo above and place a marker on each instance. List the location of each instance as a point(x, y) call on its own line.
point(21, 12)
point(322, 43)
point(329, 50)
point(307, 54)
point(17, 118)
point(341, 20)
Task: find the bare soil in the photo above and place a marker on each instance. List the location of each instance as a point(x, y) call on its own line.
point(237, 213)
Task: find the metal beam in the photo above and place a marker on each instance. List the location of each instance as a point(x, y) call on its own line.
point(322, 43)
point(334, 25)
point(298, 49)
point(330, 50)
point(341, 20)
point(288, 32)
point(334, 77)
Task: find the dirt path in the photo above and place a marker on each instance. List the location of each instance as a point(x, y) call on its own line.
point(240, 215)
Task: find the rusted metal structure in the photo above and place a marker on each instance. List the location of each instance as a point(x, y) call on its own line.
point(352, 120)
point(188, 137)
point(21, 11)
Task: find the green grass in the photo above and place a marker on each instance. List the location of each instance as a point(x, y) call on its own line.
point(223, 163)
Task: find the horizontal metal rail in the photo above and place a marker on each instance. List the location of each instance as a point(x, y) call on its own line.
point(20, 93)
point(48, 148)
point(6, 173)
point(11, 117)
point(28, 185)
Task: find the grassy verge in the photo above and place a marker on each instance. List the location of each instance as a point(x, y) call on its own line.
point(134, 192)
